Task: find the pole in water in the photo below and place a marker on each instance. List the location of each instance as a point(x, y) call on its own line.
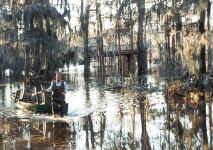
point(52, 107)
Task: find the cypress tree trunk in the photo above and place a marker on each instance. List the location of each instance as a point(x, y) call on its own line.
point(99, 35)
point(203, 47)
point(0, 72)
point(84, 27)
point(27, 62)
point(119, 49)
point(86, 53)
point(131, 39)
point(142, 54)
point(208, 15)
point(168, 48)
point(173, 49)
point(203, 59)
point(202, 22)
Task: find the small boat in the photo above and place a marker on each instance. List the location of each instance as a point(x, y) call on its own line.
point(33, 106)
point(39, 108)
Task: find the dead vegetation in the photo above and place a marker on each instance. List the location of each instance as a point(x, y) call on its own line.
point(179, 94)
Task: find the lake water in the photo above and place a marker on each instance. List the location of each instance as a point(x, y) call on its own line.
point(103, 118)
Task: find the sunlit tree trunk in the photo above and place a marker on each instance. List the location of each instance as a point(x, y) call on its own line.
point(173, 3)
point(142, 54)
point(210, 118)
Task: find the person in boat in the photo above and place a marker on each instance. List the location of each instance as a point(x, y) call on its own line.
point(58, 88)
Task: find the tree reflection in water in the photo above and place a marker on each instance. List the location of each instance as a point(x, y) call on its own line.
point(144, 136)
point(188, 123)
point(129, 120)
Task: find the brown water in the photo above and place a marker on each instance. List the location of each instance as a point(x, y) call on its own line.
point(100, 118)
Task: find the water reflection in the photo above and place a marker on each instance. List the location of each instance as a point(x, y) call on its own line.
point(108, 119)
point(28, 134)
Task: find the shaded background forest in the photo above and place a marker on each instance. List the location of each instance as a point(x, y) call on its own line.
point(127, 34)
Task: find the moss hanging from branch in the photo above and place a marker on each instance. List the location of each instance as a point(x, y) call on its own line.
point(39, 24)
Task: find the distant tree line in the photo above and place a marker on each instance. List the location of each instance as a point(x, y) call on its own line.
point(39, 34)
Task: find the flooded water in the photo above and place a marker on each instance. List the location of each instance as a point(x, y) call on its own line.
point(103, 118)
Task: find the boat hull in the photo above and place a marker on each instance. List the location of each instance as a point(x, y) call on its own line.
point(39, 108)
